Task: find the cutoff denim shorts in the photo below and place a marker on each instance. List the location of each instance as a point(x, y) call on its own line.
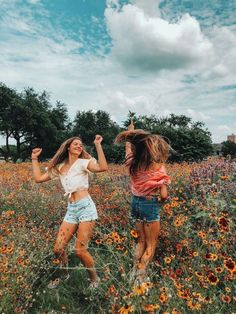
point(81, 210)
point(145, 209)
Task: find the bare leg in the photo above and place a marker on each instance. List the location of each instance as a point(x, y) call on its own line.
point(64, 235)
point(85, 231)
point(151, 230)
point(141, 245)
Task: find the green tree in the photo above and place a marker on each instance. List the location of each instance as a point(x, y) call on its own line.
point(229, 148)
point(30, 120)
point(88, 123)
point(142, 121)
point(51, 135)
point(189, 140)
point(8, 98)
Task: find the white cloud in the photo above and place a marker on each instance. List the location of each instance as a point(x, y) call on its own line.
point(224, 128)
point(149, 7)
point(198, 115)
point(34, 1)
point(224, 65)
point(222, 131)
point(50, 61)
point(150, 43)
point(118, 101)
point(231, 108)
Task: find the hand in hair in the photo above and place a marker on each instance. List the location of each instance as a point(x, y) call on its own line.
point(131, 125)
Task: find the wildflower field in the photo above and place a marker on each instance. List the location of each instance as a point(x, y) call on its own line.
point(194, 268)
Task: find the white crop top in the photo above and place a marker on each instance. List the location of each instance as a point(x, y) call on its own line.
point(76, 178)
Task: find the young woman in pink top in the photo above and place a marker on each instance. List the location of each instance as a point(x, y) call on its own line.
point(145, 155)
point(71, 164)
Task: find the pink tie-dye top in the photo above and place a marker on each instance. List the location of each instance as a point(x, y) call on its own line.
point(146, 182)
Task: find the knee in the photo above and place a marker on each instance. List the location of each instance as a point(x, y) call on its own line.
point(80, 252)
point(141, 243)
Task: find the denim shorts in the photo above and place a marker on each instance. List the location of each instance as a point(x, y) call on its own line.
point(81, 210)
point(145, 209)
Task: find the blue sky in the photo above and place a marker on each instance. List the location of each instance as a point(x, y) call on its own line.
point(147, 56)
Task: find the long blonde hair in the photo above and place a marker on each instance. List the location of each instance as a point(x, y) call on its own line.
point(146, 149)
point(62, 154)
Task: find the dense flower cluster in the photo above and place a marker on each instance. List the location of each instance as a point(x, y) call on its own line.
point(194, 268)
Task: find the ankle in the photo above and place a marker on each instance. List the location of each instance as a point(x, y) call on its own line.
point(93, 277)
point(141, 266)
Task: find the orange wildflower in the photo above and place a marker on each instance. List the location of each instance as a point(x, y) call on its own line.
point(229, 264)
point(201, 234)
point(151, 307)
point(193, 305)
point(56, 261)
point(167, 260)
point(226, 298)
point(126, 309)
point(98, 241)
point(163, 297)
point(134, 233)
point(212, 279)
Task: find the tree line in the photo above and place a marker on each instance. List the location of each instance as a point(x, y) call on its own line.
point(31, 120)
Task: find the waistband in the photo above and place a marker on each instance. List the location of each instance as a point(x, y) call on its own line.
point(81, 201)
point(146, 197)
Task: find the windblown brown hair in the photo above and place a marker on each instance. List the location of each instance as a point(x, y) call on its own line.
point(146, 148)
point(62, 154)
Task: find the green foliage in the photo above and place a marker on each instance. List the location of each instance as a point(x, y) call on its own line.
point(8, 98)
point(189, 140)
point(88, 123)
point(115, 154)
point(229, 148)
point(30, 120)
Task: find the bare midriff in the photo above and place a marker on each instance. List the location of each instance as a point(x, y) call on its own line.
point(78, 195)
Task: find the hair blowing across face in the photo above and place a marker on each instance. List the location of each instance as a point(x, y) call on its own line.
point(62, 154)
point(146, 149)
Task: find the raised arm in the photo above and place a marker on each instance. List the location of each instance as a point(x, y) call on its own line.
point(38, 176)
point(128, 150)
point(101, 165)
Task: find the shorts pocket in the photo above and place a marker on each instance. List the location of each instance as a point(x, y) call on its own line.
point(85, 205)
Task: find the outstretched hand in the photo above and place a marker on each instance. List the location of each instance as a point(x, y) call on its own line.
point(98, 139)
point(131, 125)
point(36, 152)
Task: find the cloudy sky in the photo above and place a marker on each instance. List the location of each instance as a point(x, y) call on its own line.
point(148, 56)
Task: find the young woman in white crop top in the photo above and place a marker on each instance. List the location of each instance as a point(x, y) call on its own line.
point(71, 164)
